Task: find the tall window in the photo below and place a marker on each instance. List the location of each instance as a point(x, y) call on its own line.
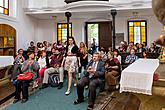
point(137, 31)
point(4, 7)
point(62, 31)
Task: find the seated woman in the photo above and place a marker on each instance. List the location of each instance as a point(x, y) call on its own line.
point(31, 66)
point(116, 55)
point(19, 59)
point(112, 68)
point(42, 64)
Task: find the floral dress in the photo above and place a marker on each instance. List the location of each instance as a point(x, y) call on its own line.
point(71, 61)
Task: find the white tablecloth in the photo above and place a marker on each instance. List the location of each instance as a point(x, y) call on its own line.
point(6, 61)
point(138, 77)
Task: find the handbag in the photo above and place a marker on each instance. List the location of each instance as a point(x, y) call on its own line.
point(26, 77)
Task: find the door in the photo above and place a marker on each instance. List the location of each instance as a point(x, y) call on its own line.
point(101, 32)
point(105, 35)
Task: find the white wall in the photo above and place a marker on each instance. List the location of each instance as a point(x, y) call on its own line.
point(78, 26)
point(24, 25)
point(153, 30)
point(47, 29)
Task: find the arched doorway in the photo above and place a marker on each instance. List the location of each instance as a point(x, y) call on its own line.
point(7, 40)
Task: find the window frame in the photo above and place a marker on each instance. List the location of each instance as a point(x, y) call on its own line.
point(61, 32)
point(140, 30)
point(5, 8)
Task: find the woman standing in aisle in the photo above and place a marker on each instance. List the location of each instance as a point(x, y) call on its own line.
point(71, 62)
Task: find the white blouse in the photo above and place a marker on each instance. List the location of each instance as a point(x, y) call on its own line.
point(42, 62)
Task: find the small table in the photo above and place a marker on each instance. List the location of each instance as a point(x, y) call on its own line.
point(138, 77)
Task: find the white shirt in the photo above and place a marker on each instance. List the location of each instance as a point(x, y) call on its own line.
point(95, 65)
point(42, 62)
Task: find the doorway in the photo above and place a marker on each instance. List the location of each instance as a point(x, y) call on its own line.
point(101, 32)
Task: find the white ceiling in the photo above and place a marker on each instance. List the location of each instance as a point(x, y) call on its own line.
point(86, 9)
point(90, 15)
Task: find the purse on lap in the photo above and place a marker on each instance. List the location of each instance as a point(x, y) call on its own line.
point(26, 77)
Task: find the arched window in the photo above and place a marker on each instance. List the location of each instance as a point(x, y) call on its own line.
point(4, 7)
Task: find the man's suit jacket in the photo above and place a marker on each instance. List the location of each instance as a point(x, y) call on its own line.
point(100, 70)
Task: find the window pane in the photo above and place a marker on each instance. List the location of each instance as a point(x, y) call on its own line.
point(136, 24)
point(143, 23)
point(59, 25)
point(1, 3)
point(1, 10)
point(130, 23)
point(70, 25)
point(6, 4)
point(6, 11)
point(136, 35)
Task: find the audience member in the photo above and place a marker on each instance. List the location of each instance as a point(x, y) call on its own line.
point(41, 47)
point(141, 48)
point(60, 47)
point(122, 47)
point(31, 47)
point(116, 55)
point(42, 64)
point(145, 55)
point(93, 75)
point(49, 47)
point(18, 61)
point(131, 45)
point(54, 45)
point(36, 54)
point(45, 45)
point(83, 54)
point(109, 50)
point(131, 58)
point(31, 66)
point(112, 67)
point(103, 54)
point(55, 66)
point(152, 48)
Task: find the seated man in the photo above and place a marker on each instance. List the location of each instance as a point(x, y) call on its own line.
point(93, 75)
point(131, 58)
point(55, 66)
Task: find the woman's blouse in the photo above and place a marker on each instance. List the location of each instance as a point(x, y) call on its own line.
point(34, 67)
point(42, 62)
